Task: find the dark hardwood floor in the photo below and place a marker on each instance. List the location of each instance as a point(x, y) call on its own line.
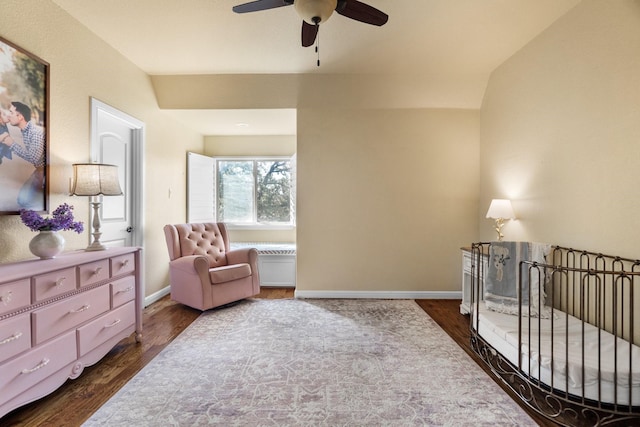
point(76, 400)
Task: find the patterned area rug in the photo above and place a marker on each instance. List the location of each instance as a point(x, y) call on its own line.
point(312, 363)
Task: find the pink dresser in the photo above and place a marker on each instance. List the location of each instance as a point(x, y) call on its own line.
point(59, 315)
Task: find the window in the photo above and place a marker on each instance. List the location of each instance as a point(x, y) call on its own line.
point(255, 191)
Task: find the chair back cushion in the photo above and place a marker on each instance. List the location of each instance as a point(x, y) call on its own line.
point(208, 239)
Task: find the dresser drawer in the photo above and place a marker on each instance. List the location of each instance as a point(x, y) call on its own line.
point(466, 262)
point(123, 290)
point(54, 283)
point(24, 372)
point(15, 295)
point(106, 326)
point(122, 265)
point(15, 336)
point(61, 316)
point(93, 272)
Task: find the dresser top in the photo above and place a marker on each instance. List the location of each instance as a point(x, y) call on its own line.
point(30, 267)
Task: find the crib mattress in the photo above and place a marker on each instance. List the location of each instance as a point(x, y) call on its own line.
point(566, 370)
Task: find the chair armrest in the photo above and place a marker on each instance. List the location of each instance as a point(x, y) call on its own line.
point(249, 256)
point(189, 280)
point(244, 255)
point(192, 263)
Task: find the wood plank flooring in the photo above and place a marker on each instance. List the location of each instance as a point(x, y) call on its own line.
point(76, 400)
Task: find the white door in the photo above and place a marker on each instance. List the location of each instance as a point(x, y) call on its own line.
point(116, 139)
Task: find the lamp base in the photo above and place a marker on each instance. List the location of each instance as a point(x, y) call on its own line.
point(498, 228)
point(96, 245)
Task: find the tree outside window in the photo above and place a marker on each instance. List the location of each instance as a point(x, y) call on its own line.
point(255, 191)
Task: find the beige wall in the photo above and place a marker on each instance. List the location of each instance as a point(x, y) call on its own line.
point(254, 145)
point(249, 145)
point(230, 91)
point(386, 197)
point(83, 66)
point(387, 185)
point(560, 132)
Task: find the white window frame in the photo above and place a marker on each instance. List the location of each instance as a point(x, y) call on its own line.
point(256, 225)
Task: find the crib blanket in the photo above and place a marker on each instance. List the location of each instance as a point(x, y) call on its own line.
point(503, 276)
point(501, 282)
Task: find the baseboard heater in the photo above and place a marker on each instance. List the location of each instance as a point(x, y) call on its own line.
point(276, 262)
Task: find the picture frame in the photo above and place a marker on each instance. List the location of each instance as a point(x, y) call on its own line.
point(24, 130)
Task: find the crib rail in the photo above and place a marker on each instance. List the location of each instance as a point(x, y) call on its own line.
point(599, 289)
point(586, 294)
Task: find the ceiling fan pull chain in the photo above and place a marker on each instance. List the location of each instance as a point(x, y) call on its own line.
point(318, 47)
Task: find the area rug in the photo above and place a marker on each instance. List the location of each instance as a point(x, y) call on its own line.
point(292, 362)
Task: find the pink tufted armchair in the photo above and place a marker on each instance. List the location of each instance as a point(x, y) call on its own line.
point(203, 272)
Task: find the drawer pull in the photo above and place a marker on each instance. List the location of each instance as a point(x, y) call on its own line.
point(42, 364)
point(115, 322)
point(97, 271)
point(124, 263)
point(122, 291)
point(11, 338)
point(60, 281)
point(6, 298)
point(81, 309)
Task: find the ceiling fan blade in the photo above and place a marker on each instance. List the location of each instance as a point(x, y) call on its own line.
point(359, 11)
point(258, 5)
point(309, 33)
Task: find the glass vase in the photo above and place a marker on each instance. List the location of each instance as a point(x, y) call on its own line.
point(46, 244)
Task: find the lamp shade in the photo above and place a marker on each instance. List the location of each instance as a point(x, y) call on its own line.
point(321, 10)
point(94, 179)
point(501, 208)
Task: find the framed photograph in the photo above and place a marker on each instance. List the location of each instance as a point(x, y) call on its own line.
point(24, 133)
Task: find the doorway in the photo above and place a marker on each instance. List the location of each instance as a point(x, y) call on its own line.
point(118, 139)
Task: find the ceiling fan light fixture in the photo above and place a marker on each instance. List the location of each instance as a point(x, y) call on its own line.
point(311, 10)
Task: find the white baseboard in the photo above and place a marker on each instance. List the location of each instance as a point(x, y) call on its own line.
point(344, 294)
point(379, 294)
point(157, 295)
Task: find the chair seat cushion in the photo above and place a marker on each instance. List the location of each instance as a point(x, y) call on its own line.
point(228, 273)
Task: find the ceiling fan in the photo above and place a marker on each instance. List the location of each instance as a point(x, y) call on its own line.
point(314, 12)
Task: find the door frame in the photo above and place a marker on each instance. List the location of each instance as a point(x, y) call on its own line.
point(137, 162)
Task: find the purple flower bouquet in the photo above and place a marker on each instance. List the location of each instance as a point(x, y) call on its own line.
point(61, 219)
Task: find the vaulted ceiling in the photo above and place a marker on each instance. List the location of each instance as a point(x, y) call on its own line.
point(463, 39)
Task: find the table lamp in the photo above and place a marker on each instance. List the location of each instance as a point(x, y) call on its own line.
point(94, 180)
point(500, 209)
